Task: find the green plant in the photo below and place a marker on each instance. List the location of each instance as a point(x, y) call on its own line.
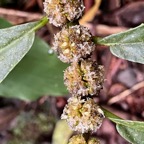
point(16, 41)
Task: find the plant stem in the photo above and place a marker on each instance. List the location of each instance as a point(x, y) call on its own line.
point(42, 22)
point(109, 114)
point(86, 136)
point(96, 40)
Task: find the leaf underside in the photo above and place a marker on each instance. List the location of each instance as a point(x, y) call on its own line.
point(132, 131)
point(133, 136)
point(127, 45)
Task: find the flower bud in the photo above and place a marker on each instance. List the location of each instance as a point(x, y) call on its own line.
point(60, 12)
point(77, 139)
point(93, 141)
point(83, 115)
point(73, 43)
point(84, 78)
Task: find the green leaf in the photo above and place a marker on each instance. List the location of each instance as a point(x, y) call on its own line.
point(137, 125)
point(15, 42)
point(129, 123)
point(127, 45)
point(4, 23)
point(132, 131)
point(38, 74)
point(130, 134)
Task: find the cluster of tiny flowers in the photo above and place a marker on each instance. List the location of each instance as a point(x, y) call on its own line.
point(83, 115)
point(79, 139)
point(73, 43)
point(84, 78)
point(61, 11)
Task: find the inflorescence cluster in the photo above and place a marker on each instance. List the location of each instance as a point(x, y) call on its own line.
point(84, 78)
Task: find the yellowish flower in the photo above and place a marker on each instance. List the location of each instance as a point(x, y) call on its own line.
point(60, 12)
point(77, 139)
point(73, 43)
point(84, 78)
point(83, 115)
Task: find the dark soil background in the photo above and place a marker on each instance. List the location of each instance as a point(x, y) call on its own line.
point(123, 93)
